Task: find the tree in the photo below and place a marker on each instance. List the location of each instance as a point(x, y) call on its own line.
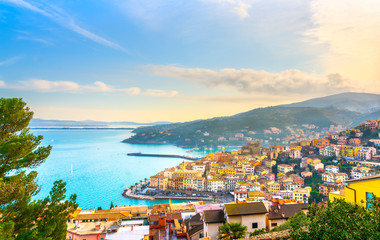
point(340, 220)
point(258, 232)
point(232, 231)
point(20, 217)
point(315, 197)
point(111, 206)
point(299, 220)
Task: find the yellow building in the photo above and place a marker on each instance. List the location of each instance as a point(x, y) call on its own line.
point(270, 163)
point(359, 191)
point(252, 177)
point(299, 148)
point(187, 174)
point(273, 187)
point(349, 151)
point(228, 171)
point(159, 182)
point(284, 168)
point(301, 194)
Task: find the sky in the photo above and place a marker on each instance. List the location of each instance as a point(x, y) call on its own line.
point(180, 60)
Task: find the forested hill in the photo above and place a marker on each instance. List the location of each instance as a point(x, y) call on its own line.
point(276, 124)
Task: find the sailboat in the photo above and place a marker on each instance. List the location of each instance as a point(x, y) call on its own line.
point(71, 168)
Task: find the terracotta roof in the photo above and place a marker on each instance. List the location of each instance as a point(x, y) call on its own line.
point(214, 216)
point(102, 214)
point(272, 235)
point(286, 211)
point(234, 209)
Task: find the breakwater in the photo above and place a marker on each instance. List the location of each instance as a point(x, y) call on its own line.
point(162, 155)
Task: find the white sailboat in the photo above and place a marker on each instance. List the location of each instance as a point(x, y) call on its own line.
point(71, 168)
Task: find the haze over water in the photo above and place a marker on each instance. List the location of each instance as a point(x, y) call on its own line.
point(101, 167)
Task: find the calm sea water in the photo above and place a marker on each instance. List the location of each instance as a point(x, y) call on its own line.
point(101, 167)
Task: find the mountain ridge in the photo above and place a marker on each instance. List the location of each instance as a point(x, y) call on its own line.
point(316, 114)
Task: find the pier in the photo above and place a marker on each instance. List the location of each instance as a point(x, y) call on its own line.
point(162, 155)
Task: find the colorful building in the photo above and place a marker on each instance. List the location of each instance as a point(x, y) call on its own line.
point(359, 191)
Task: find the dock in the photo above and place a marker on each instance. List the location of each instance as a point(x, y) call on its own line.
point(162, 155)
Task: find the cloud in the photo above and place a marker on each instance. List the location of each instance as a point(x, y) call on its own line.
point(40, 85)
point(249, 80)
point(60, 17)
point(350, 30)
point(161, 93)
point(47, 86)
point(10, 61)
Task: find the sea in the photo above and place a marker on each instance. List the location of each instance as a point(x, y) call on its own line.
point(95, 166)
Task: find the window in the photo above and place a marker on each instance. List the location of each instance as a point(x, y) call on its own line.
point(369, 197)
point(273, 224)
point(254, 225)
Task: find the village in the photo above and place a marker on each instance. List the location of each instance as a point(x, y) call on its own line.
point(256, 186)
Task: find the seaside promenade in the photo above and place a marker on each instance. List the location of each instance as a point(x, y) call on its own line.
point(129, 193)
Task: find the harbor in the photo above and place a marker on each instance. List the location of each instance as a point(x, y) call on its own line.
point(139, 192)
point(163, 156)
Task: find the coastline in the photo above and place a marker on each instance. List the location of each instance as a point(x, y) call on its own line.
point(128, 193)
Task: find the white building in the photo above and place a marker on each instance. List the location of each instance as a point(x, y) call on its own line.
point(332, 169)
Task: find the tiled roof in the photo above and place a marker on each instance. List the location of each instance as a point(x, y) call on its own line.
point(194, 224)
point(245, 208)
point(214, 216)
point(286, 211)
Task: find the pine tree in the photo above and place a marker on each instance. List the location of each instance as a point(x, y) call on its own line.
point(20, 217)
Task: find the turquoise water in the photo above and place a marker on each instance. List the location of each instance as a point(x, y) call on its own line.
point(101, 167)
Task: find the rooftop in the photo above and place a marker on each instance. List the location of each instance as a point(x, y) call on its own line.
point(286, 211)
point(235, 209)
point(88, 227)
point(214, 216)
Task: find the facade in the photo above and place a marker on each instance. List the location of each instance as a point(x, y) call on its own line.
point(272, 187)
point(291, 185)
point(359, 191)
point(361, 172)
point(240, 194)
point(252, 215)
point(159, 182)
point(366, 153)
point(326, 188)
point(284, 168)
point(332, 169)
point(212, 220)
point(215, 185)
point(295, 154)
point(302, 194)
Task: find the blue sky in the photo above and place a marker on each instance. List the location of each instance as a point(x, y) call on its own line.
point(183, 60)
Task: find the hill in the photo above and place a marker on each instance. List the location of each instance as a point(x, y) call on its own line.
point(42, 123)
point(357, 102)
point(273, 125)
